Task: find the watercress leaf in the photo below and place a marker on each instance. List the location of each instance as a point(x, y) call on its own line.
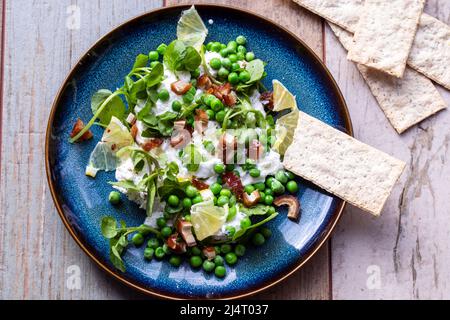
point(174, 55)
point(257, 210)
point(127, 185)
point(256, 70)
point(138, 90)
point(241, 232)
point(155, 76)
point(116, 259)
point(115, 106)
point(151, 193)
point(109, 227)
point(145, 106)
point(192, 59)
point(141, 61)
point(152, 94)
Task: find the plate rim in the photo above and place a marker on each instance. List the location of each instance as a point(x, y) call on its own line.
point(121, 277)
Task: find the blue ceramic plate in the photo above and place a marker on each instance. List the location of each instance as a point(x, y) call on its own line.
point(82, 202)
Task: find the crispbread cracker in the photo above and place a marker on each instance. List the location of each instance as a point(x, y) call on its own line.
point(405, 101)
point(342, 165)
point(385, 33)
point(430, 51)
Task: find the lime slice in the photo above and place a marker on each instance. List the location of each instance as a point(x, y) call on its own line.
point(284, 130)
point(117, 134)
point(207, 219)
point(191, 29)
point(282, 98)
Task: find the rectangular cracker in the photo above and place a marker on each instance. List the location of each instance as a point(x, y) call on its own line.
point(406, 101)
point(430, 51)
point(342, 165)
point(385, 33)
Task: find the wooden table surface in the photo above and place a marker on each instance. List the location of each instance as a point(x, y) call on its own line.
point(403, 254)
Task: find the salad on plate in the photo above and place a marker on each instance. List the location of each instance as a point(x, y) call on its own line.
point(193, 140)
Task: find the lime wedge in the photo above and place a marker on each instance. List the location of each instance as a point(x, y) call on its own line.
point(282, 98)
point(117, 134)
point(207, 219)
point(191, 29)
point(284, 130)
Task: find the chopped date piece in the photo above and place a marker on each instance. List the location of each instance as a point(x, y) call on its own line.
point(180, 87)
point(201, 120)
point(185, 229)
point(230, 99)
point(176, 244)
point(200, 185)
point(79, 125)
point(209, 252)
point(134, 131)
point(266, 99)
point(234, 183)
point(153, 143)
point(204, 82)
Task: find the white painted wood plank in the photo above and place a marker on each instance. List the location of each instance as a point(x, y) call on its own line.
point(35, 248)
point(403, 254)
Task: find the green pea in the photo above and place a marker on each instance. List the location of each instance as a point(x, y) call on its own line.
point(241, 49)
point(266, 232)
point(217, 250)
point(163, 95)
point(207, 99)
point(190, 120)
point(268, 199)
point(161, 48)
point(223, 46)
point(245, 223)
point(188, 98)
point(215, 188)
point(218, 261)
point(244, 76)
point(176, 105)
point(196, 73)
point(153, 64)
point(262, 196)
point(215, 47)
point(249, 188)
point(191, 191)
point(161, 222)
point(159, 253)
point(226, 63)
point(114, 197)
point(231, 258)
point(195, 261)
point(187, 203)
point(230, 230)
point(232, 211)
point(258, 239)
point(216, 105)
point(270, 120)
point(250, 119)
point(153, 55)
point(219, 168)
point(277, 187)
point(260, 186)
point(224, 52)
point(232, 201)
point(166, 231)
point(223, 72)
point(249, 56)
point(225, 248)
point(290, 175)
point(232, 45)
point(220, 271)
point(225, 193)
point(166, 249)
point(271, 210)
point(209, 46)
point(222, 200)
point(195, 251)
point(240, 56)
point(235, 66)
point(137, 239)
point(220, 116)
point(148, 253)
point(208, 266)
point(215, 63)
point(281, 176)
point(233, 57)
point(269, 181)
point(239, 250)
point(187, 217)
point(153, 243)
point(241, 40)
point(268, 191)
point(233, 78)
point(197, 199)
point(255, 173)
point(292, 186)
point(175, 261)
point(173, 200)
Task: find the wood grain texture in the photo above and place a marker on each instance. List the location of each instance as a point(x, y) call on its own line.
point(404, 253)
point(312, 281)
point(35, 248)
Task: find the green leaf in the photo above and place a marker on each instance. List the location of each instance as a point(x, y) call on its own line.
point(116, 259)
point(257, 210)
point(155, 75)
point(161, 125)
point(126, 184)
point(151, 193)
point(109, 227)
point(191, 29)
point(115, 107)
point(192, 59)
point(174, 55)
point(241, 232)
point(256, 70)
point(141, 61)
